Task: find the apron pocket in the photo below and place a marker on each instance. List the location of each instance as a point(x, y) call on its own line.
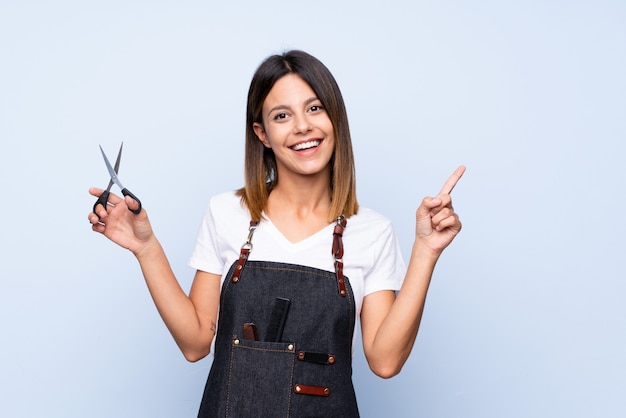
point(260, 378)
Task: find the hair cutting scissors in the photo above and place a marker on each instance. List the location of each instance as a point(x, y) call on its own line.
point(104, 197)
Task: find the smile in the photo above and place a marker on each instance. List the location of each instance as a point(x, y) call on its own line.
point(306, 145)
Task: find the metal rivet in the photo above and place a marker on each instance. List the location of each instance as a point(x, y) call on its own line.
point(331, 359)
point(290, 347)
point(239, 266)
point(326, 391)
point(236, 341)
point(301, 355)
point(298, 388)
point(235, 279)
point(343, 293)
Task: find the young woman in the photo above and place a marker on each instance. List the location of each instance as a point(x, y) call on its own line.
point(286, 264)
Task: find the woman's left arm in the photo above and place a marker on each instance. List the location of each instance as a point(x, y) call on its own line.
point(389, 323)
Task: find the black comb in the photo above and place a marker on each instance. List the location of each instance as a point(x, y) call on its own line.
point(277, 320)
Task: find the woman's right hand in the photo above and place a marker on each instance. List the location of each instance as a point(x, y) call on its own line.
point(119, 224)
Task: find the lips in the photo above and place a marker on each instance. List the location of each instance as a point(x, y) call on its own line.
point(306, 145)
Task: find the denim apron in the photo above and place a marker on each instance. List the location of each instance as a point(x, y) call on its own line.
point(284, 341)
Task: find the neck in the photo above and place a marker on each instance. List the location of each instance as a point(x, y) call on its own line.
point(299, 209)
point(302, 198)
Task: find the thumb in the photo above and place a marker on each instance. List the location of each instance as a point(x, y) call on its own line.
point(131, 203)
point(428, 204)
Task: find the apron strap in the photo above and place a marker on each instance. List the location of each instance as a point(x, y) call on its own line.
point(244, 252)
point(338, 253)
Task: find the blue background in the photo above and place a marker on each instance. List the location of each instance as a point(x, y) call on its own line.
point(525, 316)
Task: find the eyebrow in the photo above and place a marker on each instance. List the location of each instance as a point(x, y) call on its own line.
point(285, 107)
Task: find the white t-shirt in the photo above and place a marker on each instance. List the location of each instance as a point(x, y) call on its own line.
point(372, 257)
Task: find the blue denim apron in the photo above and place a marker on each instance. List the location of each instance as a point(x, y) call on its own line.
point(307, 370)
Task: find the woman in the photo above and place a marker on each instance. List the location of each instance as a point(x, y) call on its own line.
point(286, 299)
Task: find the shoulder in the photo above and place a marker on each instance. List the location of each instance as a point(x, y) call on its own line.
point(368, 221)
point(225, 199)
point(225, 210)
point(226, 204)
point(368, 231)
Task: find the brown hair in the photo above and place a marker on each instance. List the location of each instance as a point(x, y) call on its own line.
point(260, 172)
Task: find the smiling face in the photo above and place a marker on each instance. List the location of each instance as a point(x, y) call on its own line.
point(297, 129)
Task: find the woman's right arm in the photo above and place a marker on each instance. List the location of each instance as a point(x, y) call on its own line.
point(190, 319)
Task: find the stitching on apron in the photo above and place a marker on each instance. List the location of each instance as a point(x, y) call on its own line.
point(230, 374)
point(321, 274)
point(293, 361)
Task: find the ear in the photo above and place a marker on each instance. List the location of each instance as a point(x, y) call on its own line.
point(259, 130)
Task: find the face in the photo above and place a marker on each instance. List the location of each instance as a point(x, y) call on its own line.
point(297, 128)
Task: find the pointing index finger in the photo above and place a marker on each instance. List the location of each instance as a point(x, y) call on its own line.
point(452, 181)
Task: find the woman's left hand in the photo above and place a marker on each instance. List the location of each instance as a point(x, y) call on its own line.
point(436, 222)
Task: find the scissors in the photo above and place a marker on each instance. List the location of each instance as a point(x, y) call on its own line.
point(104, 197)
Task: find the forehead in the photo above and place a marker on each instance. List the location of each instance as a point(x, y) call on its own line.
point(289, 90)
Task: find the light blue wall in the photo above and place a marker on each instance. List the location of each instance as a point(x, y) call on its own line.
point(525, 317)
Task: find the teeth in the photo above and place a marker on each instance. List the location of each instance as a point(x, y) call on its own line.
point(306, 145)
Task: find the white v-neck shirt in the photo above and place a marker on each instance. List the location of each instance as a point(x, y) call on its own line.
point(372, 257)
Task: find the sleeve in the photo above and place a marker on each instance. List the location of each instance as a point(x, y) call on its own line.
point(388, 269)
point(207, 254)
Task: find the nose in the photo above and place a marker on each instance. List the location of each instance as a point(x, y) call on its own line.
point(301, 125)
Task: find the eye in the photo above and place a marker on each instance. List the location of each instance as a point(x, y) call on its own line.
point(316, 108)
point(280, 116)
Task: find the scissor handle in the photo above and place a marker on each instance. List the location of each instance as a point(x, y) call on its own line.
point(102, 200)
point(127, 192)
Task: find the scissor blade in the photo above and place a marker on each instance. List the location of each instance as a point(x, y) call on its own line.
point(116, 167)
point(112, 172)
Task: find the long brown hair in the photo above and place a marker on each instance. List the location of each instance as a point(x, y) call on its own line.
point(260, 171)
